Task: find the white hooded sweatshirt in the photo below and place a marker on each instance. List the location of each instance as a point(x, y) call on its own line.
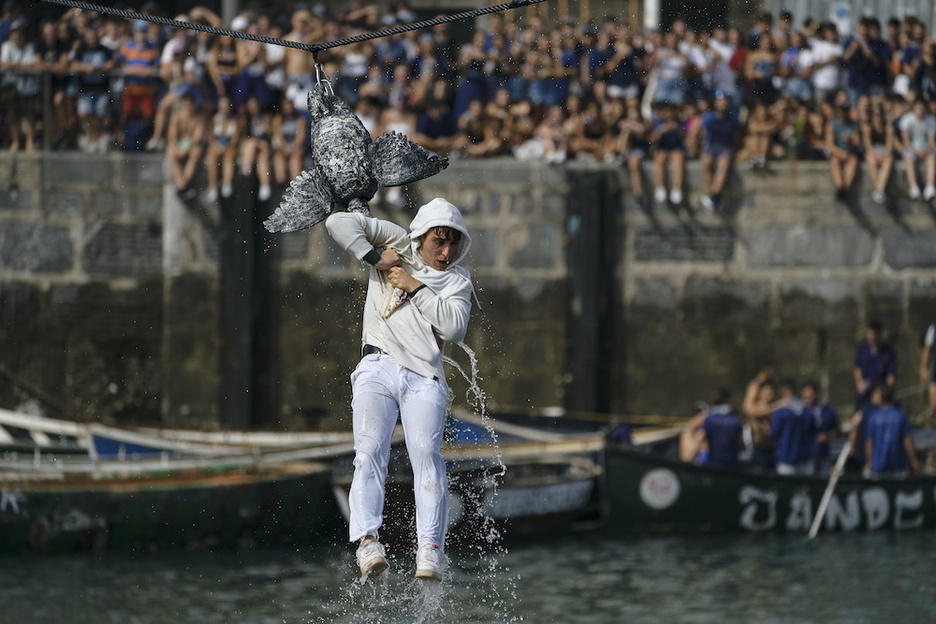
point(414, 333)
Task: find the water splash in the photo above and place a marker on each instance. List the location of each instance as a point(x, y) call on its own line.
point(476, 568)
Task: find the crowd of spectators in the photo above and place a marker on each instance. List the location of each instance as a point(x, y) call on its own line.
point(604, 91)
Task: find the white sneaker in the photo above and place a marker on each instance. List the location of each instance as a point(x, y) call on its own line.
point(675, 197)
point(430, 563)
point(929, 193)
point(659, 195)
point(707, 203)
point(371, 558)
point(226, 190)
point(879, 197)
point(212, 195)
point(914, 192)
point(264, 193)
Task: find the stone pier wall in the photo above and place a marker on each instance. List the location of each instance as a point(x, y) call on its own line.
point(120, 303)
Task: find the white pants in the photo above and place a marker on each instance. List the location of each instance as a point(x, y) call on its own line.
point(382, 389)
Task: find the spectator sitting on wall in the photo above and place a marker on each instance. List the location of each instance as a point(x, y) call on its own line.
point(877, 137)
point(290, 130)
point(435, 130)
point(256, 147)
point(632, 145)
point(91, 61)
point(793, 430)
point(722, 431)
point(889, 448)
point(668, 141)
point(140, 60)
point(185, 145)
point(824, 59)
point(590, 136)
point(52, 57)
point(719, 135)
point(19, 91)
point(875, 363)
point(223, 145)
point(843, 142)
point(918, 131)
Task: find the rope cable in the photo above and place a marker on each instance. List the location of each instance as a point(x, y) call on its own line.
point(314, 48)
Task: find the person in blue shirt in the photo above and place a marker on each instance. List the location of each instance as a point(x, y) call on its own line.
point(722, 431)
point(719, 129)
point(826, 425)
point(889, 448)
point(793, 429)
point(875, 363)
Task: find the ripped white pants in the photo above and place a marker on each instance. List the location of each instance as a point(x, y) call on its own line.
point(381, 389)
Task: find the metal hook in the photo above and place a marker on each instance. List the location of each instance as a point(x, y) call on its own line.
point(321, 76)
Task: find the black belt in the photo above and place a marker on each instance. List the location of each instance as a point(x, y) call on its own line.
point(371, 349)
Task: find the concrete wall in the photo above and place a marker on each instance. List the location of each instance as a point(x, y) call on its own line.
point(121, 303)
point(788, 275)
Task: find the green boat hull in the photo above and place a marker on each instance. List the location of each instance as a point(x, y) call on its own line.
point(649, 493)
point(205, 510)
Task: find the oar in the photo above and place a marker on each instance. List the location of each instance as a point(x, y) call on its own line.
point(837, 471)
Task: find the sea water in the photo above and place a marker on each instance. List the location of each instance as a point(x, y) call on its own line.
point(594, 578)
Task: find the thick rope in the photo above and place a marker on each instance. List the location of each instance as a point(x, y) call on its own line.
point(314, 48)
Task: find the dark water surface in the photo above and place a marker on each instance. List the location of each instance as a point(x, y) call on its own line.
point(593, 578)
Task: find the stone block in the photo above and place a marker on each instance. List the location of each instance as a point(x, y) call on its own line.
point(809, 246)
point(147, 206)
point(107, 203)
point(542, 249)
point(64, 203)
point(689, 243)
point(818, 303)
point(720, 301)
point(485, 248)
point(909, 249)
point(35, 247)
point(520, 205)
point(131, 250)
point(20, 307)
point(655, 302)
point(66, 168)
point(553, 206)
point(922, 304)
point(289, 246)
point(884, 302)
point(142, 170)
point(19, 200)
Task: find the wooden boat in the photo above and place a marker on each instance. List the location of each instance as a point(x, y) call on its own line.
point(277, 497)
point(649, 492)
point(29, 434)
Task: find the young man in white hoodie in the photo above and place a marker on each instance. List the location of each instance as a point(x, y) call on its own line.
point(418, 299)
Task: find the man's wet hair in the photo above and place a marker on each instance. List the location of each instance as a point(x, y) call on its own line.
point(887, 393)
point(446, 233)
